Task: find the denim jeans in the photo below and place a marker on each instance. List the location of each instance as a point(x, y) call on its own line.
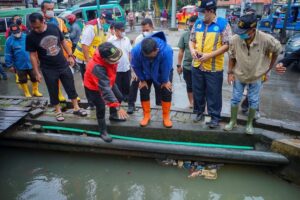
point(253, 93)
point(207, 89)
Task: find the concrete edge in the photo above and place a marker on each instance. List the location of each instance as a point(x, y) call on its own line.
point(263, 123)
point(203, 153)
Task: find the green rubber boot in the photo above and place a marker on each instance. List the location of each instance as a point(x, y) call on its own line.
point(249, 125)
point(232, 124)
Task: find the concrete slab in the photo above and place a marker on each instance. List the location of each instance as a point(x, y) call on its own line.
point(289, 147)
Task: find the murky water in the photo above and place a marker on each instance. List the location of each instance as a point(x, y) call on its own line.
point(36, 174)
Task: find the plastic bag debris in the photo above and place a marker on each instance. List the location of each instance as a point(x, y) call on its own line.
point(167, 162)
point(196, 169)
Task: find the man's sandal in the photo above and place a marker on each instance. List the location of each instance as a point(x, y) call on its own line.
point(81, 112)
point(60, 117)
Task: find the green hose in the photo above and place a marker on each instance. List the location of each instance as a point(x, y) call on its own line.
point(75, 130)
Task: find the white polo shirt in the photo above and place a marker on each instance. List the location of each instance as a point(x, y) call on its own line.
point(125, 45)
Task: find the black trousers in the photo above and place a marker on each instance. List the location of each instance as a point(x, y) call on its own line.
point(123, 83)
point(166, 95)
point(134, 90)
point(97, 100)
point(23, 75)
point(52, 76)
point(82, 71)
point(187, 76)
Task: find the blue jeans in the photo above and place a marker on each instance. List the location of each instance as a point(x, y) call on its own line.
point(2, 72)
point(207, 87)
point(253, 93)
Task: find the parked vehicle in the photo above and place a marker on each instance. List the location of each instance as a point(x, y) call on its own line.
point(5, 20)
point(58, 11)
point(184, 14)
point(87, 13)
point(292, 45)
point(276, 19)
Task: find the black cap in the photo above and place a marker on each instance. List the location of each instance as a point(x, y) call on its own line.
point(110, 52)
point(119, 25)
point(206, 5)
point(245, 23)
point(14, 28)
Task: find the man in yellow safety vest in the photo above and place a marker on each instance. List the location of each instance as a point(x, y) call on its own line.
point(91, 37)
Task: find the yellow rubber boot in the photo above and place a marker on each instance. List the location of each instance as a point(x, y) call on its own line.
point(166, 106)
point(147, 113)
point(24, 86)
point(60, 95)
point(35, 90)
point(17, 81)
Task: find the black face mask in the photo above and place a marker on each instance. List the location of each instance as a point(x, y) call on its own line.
point(19, 22)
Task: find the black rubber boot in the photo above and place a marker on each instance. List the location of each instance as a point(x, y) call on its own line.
point(103, 131)
point(131, 109)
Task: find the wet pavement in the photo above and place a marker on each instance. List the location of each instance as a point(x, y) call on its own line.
point(279, 99)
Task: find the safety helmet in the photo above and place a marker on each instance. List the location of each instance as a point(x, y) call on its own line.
point(71, 18)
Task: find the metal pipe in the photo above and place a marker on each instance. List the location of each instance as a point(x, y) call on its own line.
point(98, 8)
point(202, 153)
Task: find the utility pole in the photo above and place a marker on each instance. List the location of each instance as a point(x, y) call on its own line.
point(286, 16)
point(173, 16)
point(243, 3)
point(149, 4)
point(130, 5)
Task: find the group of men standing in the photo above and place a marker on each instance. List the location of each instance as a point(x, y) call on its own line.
point(113, 71)
point(252, 55)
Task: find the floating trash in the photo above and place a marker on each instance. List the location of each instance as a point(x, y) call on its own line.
point(196, 169)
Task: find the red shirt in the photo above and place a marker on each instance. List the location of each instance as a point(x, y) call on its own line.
point(101, 76)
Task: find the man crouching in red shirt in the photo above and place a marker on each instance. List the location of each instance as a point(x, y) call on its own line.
point(99, 81)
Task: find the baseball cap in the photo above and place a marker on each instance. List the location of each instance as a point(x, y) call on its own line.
point(119, 25)
point(14, 28)
point(110, 52)
point(206, 4)
point(245, 23)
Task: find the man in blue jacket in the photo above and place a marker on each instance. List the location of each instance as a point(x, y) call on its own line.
point(152, 61)
point(17, 59)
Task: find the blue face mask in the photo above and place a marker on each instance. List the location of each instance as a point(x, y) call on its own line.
point(200, 16)
point(244, 36)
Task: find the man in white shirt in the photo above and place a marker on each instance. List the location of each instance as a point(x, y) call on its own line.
point(147, 30)
point(124, 71)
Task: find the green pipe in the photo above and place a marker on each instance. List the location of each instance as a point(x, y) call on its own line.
point(59, 128)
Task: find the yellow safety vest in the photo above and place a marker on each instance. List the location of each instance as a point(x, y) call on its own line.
point(98, 39)
point(208, 39)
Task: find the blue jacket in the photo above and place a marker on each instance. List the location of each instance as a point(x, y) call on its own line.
point(160, 68)
point(15, 53)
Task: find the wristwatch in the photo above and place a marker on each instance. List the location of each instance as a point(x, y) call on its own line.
point(178, 66)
